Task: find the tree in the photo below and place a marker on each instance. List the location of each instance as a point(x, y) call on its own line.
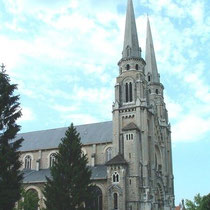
point(10, 175)
point(199, 203)
point(29, 200)
point(70, 186)
point(205, 202)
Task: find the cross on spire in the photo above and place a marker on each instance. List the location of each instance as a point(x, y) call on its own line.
point(3, 67)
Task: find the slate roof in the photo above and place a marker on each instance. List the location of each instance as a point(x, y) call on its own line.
point(99, 172)
point(117, 160)
point(33, 176)
point(49, 139)
point(130, 126)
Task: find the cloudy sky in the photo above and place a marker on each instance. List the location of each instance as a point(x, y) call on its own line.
point(63, 55)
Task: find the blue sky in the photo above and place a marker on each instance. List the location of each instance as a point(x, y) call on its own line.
point(63, 55)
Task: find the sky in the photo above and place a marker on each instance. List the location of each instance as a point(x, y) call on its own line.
point(63, 55)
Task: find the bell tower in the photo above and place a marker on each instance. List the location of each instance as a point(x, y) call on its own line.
point(130, 126)
point(141, 133)
point(130, 88)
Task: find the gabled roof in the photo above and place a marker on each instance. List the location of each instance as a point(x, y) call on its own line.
point(130, 126)
point(49, 139)
point(33, 176)
point(117, 160)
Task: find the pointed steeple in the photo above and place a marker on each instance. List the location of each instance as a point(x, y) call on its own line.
point(151, 65)
point(131, 44)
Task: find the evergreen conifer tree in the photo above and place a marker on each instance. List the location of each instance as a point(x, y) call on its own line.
point(10, 176)
point(69, 187)
point(29, 200)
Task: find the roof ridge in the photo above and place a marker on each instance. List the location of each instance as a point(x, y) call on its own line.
point(64, 127)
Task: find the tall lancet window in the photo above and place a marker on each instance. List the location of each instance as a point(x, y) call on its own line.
point(115, 201)
point(128, 92)
point(52, 159)
point(28, 160)
point(108, 154)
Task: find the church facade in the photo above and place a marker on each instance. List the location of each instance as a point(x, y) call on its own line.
point(130, 156)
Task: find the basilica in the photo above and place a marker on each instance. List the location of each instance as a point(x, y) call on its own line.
point(130, 156)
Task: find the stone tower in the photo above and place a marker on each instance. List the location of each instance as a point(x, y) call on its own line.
point(140, 174)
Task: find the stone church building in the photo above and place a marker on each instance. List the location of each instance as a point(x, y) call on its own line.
point(130, 156)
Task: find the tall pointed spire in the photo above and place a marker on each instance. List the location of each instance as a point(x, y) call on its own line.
point(151, 65)
point(131, 44)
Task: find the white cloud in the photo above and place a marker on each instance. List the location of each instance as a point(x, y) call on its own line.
point(94, 95)
point(10, 52)
point(190, 128)
point(174, 109)
point(201, 90)
point(27, 115)
point(196, 11)
point(79, 119)
point(62, 108)
point(88, 41)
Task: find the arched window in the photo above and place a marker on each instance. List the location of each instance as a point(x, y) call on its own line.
point(115, 201)
point(32, 197)
point(149, 78)
point(158, 160)
point(130, 91)
point(159, 198)
point(108, 154)
point(97, 202)
point(156, 91)
point(127, 67)
point(137, 67)
point(28, 161)
point(115, 177)
point(126, 92)
point(52, 159)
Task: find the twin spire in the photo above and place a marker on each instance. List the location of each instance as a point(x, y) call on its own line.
point(151, 65)
point(131, 43)
point(131, 47)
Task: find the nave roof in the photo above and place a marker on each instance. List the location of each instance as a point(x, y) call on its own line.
point(32, 176)
point(49, 139)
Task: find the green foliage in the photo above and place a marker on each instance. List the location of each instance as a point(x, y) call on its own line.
point(205, 202)
point(199, 203)
point(10, 175)
point(70, 185)
point(29, 200)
